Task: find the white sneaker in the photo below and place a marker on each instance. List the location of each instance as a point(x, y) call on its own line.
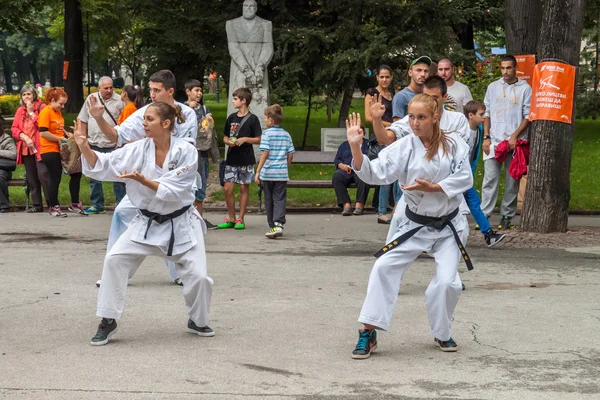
point(177, 281)
point(274, 232)
point(55, 212)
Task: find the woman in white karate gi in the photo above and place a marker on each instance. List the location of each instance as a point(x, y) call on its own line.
point(433, 168)
point(160, 174)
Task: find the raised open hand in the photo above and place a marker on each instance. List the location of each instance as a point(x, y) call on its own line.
point(377, 108)
point(354, 132)
point(80, 136)
point(95, 109)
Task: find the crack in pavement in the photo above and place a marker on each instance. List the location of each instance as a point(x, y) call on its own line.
point(24, 304)
point(474, 328)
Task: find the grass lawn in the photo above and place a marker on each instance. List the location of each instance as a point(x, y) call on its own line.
point(585, 186)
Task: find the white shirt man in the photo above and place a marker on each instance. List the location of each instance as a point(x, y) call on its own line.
point(507, 103)
point(458, 91)
point(113, 105)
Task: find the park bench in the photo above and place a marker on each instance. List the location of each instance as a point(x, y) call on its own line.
point(23, 183)
point(308, 157)
point(17, 182)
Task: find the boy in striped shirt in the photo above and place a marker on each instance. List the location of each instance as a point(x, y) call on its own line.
point(277, 153)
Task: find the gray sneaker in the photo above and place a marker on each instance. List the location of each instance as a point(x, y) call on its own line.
point(203, 331)
point(105, 330)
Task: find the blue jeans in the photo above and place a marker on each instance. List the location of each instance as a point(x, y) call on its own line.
point(96, 191)
point(474, 203)
point(384, 199)
point(397, 191)
point(203, 171)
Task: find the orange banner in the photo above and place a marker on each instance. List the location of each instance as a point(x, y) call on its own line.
point(553, 91)
point(65, 70)
point(525, 66)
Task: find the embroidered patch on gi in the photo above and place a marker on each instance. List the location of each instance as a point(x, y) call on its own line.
point(173, 164)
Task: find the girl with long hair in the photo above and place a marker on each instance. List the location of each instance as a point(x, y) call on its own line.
point(432, 167)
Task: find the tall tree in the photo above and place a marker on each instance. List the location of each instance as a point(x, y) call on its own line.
point(546, 204)
point(74, 51)
point(522, 20)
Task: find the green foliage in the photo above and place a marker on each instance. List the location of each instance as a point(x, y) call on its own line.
point(479, 81)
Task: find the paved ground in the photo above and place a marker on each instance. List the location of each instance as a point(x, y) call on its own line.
point(285, 315)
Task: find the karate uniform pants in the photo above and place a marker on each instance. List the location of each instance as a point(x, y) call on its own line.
point(441, 295)
point(491, 182)
point(124, 213)
point(124, 258)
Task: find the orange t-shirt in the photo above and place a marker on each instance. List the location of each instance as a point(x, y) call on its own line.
point(127, 111)
point(55, 123)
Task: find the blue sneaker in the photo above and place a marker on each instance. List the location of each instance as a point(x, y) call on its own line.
point(93, 210)
point(367, 343)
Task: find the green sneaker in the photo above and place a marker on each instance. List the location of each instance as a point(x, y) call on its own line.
point(106, 329)
point(239, 224)
point(94, 210)
point(226, 225)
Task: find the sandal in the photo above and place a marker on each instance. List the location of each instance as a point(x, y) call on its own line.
point(358, 211)
point(34, 210)
point(347, 212)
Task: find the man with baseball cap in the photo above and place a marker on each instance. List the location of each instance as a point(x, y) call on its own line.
point(418, 72)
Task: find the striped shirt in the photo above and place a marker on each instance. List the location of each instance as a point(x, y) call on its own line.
point(279, 144)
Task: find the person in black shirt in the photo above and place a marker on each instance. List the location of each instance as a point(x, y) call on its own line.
point(242, 130)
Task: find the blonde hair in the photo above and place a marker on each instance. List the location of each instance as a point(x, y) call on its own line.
point(275, 112)
point(439, 137)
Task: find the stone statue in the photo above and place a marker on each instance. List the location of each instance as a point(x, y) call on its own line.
point(251, 49)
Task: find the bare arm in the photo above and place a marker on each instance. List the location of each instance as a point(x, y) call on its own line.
point(263, 159)
point(375, 111)
point(82, 142)
point(383, 135)
point(290, 157)
point(49, 137)
point(485, 145)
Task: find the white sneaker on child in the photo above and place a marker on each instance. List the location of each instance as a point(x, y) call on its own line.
point(275, 232)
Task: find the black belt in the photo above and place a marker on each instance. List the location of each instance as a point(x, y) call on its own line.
point(429, 222)
point(162, 219)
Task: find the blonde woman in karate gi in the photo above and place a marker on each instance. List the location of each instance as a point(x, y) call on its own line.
point(161, 178)
point(433, 168)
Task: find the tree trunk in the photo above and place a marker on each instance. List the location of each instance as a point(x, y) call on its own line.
point(307, 122)
point(465, 35)
point(349, 84)
point(546, 204)
point(7, 71)
point(34, 72)
point(328, 107)
point(522, 20)
point(74, 51)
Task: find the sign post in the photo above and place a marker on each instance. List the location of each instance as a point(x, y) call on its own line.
point(525, 67)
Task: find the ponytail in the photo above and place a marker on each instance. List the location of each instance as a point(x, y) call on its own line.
point(135, 95)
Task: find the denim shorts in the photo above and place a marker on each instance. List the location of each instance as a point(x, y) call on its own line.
point(242, 175)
